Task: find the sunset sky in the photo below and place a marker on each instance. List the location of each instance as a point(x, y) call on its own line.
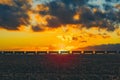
point(59, 24)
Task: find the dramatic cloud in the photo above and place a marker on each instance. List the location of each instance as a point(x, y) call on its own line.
point(117, 6)
point(90, 13)
point(36, 28)
point(87, 13)
point(53, 22)
point(60, 24)
point(7, 2)
point(12, 16)
point(64, 10)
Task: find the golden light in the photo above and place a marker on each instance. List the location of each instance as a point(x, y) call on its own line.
point(76, 17)
point(67, 37)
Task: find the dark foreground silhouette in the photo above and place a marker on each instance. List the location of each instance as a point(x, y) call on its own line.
point(60, 67)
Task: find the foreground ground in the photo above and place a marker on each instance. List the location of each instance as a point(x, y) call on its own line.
point(60, 67)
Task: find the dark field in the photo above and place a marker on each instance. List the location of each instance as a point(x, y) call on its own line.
point(60, 67)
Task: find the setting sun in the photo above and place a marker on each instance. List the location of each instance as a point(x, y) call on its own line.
point(51, 25)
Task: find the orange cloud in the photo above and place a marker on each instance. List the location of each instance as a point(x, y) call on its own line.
point(40, 8)
point(7, 2)
point(76, 17)
point(117, 6)
point(45, 30)
point(118, 32)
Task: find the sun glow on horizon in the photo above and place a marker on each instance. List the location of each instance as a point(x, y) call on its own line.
point(58, 25)
point(63, 38)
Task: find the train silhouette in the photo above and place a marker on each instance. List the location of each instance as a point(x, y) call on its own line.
point(56, 52)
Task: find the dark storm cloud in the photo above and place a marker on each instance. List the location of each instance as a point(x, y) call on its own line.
point(53, 22)
point(61, 11)
point(36, 28)
point(74, 3)
point(112, 0)
point(107, 7)
point(106, 14)
point(64, 10)
point(11, 17)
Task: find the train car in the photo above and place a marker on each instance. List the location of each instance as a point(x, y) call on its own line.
point(53, 52)
point(100, 52)
point(41, 52)
point(64, 52)
point(8, 52)
point(88, 52)
point(30, 52)
point(19, 52)
point(111, 52)
point(76, 52)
